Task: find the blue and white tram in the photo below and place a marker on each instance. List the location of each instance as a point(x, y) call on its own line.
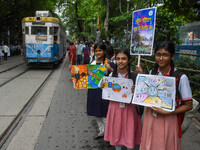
point(44, 39)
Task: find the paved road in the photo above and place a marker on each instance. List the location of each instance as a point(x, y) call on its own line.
point(67, 127)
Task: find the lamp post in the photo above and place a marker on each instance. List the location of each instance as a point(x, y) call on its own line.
point(127, 21)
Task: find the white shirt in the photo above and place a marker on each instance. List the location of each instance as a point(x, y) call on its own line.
point(5, 49)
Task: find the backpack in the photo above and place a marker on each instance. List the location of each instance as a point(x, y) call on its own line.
point(177, 74)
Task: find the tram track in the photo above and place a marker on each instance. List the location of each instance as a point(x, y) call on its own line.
point(7, 81)
point(13, 67)
point(21, 116)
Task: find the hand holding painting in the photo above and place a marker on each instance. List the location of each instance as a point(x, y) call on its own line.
point(133, 89)
point(139, 69)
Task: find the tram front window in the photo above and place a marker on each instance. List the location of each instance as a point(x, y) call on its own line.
point(38, 30)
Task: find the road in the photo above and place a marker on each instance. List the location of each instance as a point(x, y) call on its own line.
point(58, 121)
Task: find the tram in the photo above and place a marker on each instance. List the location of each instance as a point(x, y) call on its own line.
point(44, 39)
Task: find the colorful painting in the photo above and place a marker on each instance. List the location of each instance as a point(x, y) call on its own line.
point(79, 74)
point(87, 76)
point(117, 89)
point(95, 74)
point(158, 91)
point(143, 29)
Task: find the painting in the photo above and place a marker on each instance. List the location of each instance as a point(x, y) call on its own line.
point(143, 29)
point(79, 75)
point(158, 91)
point(95, 74)
point(87, 76)
point(117, 89)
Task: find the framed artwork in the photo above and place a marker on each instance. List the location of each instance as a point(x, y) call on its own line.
point(158, 91)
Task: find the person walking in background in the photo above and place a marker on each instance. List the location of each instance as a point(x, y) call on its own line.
point(162, 129)
point(79, 48)
point(95, 105)
point(5, 50)
point(72, 54)
point(123, 123)
point(1, 54)
point(86, 53)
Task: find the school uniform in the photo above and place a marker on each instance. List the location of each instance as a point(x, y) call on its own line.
point(96, 106)
point(123, 125)
point(160, 132)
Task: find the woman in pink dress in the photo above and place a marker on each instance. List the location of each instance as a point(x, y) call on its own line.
point(123, 124)
point(161, 129)
point(72, 54)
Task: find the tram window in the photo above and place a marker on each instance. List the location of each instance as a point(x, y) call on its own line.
point(55, 30)
point(26, 30)
point(38, 30)
point(51, 31)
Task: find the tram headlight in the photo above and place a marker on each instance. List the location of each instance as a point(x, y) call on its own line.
point(38, 51)
point(38, 19)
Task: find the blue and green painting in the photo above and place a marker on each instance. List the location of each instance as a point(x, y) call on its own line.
point(95, 74)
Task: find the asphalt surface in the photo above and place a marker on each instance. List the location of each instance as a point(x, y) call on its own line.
point(67, 127)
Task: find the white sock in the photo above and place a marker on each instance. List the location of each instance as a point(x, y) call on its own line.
point(118, 147)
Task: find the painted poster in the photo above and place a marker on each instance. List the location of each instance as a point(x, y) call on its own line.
point(87, 76)
point(158, 91)
point(117, 89)
point(95, 74)
point(79, 74)
point(143, 29)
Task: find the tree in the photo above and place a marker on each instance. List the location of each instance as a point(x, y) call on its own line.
point(13, 11)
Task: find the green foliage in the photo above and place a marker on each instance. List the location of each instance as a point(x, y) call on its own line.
point(80, 16)
point(13, 11)
point(167, 25)
point(186, 62)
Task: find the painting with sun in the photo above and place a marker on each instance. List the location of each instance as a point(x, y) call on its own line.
point(117, 89)
point(158, 91)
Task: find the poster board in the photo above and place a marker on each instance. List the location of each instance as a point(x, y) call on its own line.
point(117, 89)
point(158, 91)
point(79, 75)
point(95, 74)
point(87, 76)
point(143, 29)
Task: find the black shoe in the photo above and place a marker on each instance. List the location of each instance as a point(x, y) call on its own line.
point(108, 144)
point(98, 137)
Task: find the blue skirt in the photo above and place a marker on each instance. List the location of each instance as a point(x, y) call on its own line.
point(96, 106)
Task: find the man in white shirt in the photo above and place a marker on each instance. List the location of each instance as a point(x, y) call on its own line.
point(5, 50)
point(79, 48)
